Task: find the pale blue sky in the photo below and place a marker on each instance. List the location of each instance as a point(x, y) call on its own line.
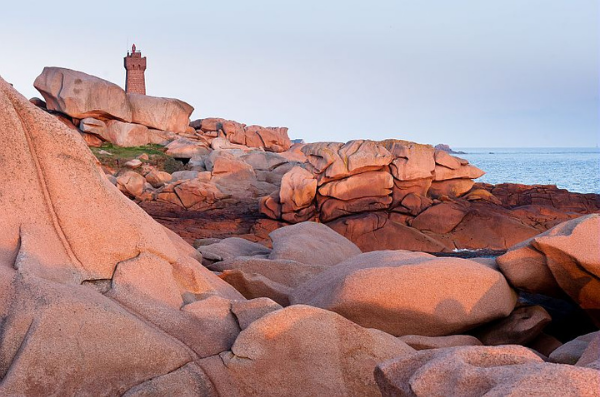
point(470, 73)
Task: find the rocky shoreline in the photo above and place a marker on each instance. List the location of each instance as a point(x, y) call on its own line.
point(310, 272)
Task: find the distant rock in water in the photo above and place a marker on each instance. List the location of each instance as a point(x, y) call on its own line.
point(447, 149)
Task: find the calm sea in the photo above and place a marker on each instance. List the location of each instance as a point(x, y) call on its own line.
point(574, 169)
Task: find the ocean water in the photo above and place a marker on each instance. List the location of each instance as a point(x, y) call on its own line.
point(574, 169)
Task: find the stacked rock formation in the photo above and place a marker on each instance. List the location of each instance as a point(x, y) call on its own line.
point(103, 112)
point(361, 176)
point(272, 139)
point(98, 299)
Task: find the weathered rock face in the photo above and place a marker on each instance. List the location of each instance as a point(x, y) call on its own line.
point(363, 176)
point(82, 290)
point(478, 371)
point(273, 139)
point(563, 260)
point(303, 351)
point(80, 95)
point(166, 114)
point(404, 293)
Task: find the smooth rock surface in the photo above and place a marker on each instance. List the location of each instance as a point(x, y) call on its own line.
point(405, 293)
point(81, 95)
point(165, 114)
point(303, 351)
point(311, 243)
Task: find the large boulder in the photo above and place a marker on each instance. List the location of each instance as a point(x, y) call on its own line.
point(303, 351)
point(411, 160)
point(478, 370)
point(166, 114)
point(565, 259)
point(405, 293)
point(72, 283)
point(273, 139)
point(311, 243)
point(367, 184)
point(80, 95)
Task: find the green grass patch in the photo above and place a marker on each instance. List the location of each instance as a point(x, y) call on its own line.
point(116, 156)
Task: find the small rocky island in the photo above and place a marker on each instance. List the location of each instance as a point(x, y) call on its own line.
point(312, 270)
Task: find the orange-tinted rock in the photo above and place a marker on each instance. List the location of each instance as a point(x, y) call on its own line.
point(66, 232)
point(302, 350)
point(463, 172)
point(331, 208)
point(482, 194)
point(367, 184)
point(443, 158)
point(411, 160)
point(254, 285)
point(270, 206)
point(92, 140)
point(186, 148)
point(246, 312)
point(158, 178)
point(406, 293)
point(450, 188)
point(166, 114)
point(93, 126)
point(51, 336)
point(333, 160)
point(378, 231)
point(223, 162)
point(80, 95)
point(414, 204)
point(441, 218)
point(571, 253)
point(195, 194)
point(419, 187)
point(482, 370)
point(131, 183)
point(298, 189)
point(526, 269)
point(490, 227)
point(311, 243)
point(287, 272)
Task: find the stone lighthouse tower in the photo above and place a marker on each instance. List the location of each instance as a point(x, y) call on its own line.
point(135, 65)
